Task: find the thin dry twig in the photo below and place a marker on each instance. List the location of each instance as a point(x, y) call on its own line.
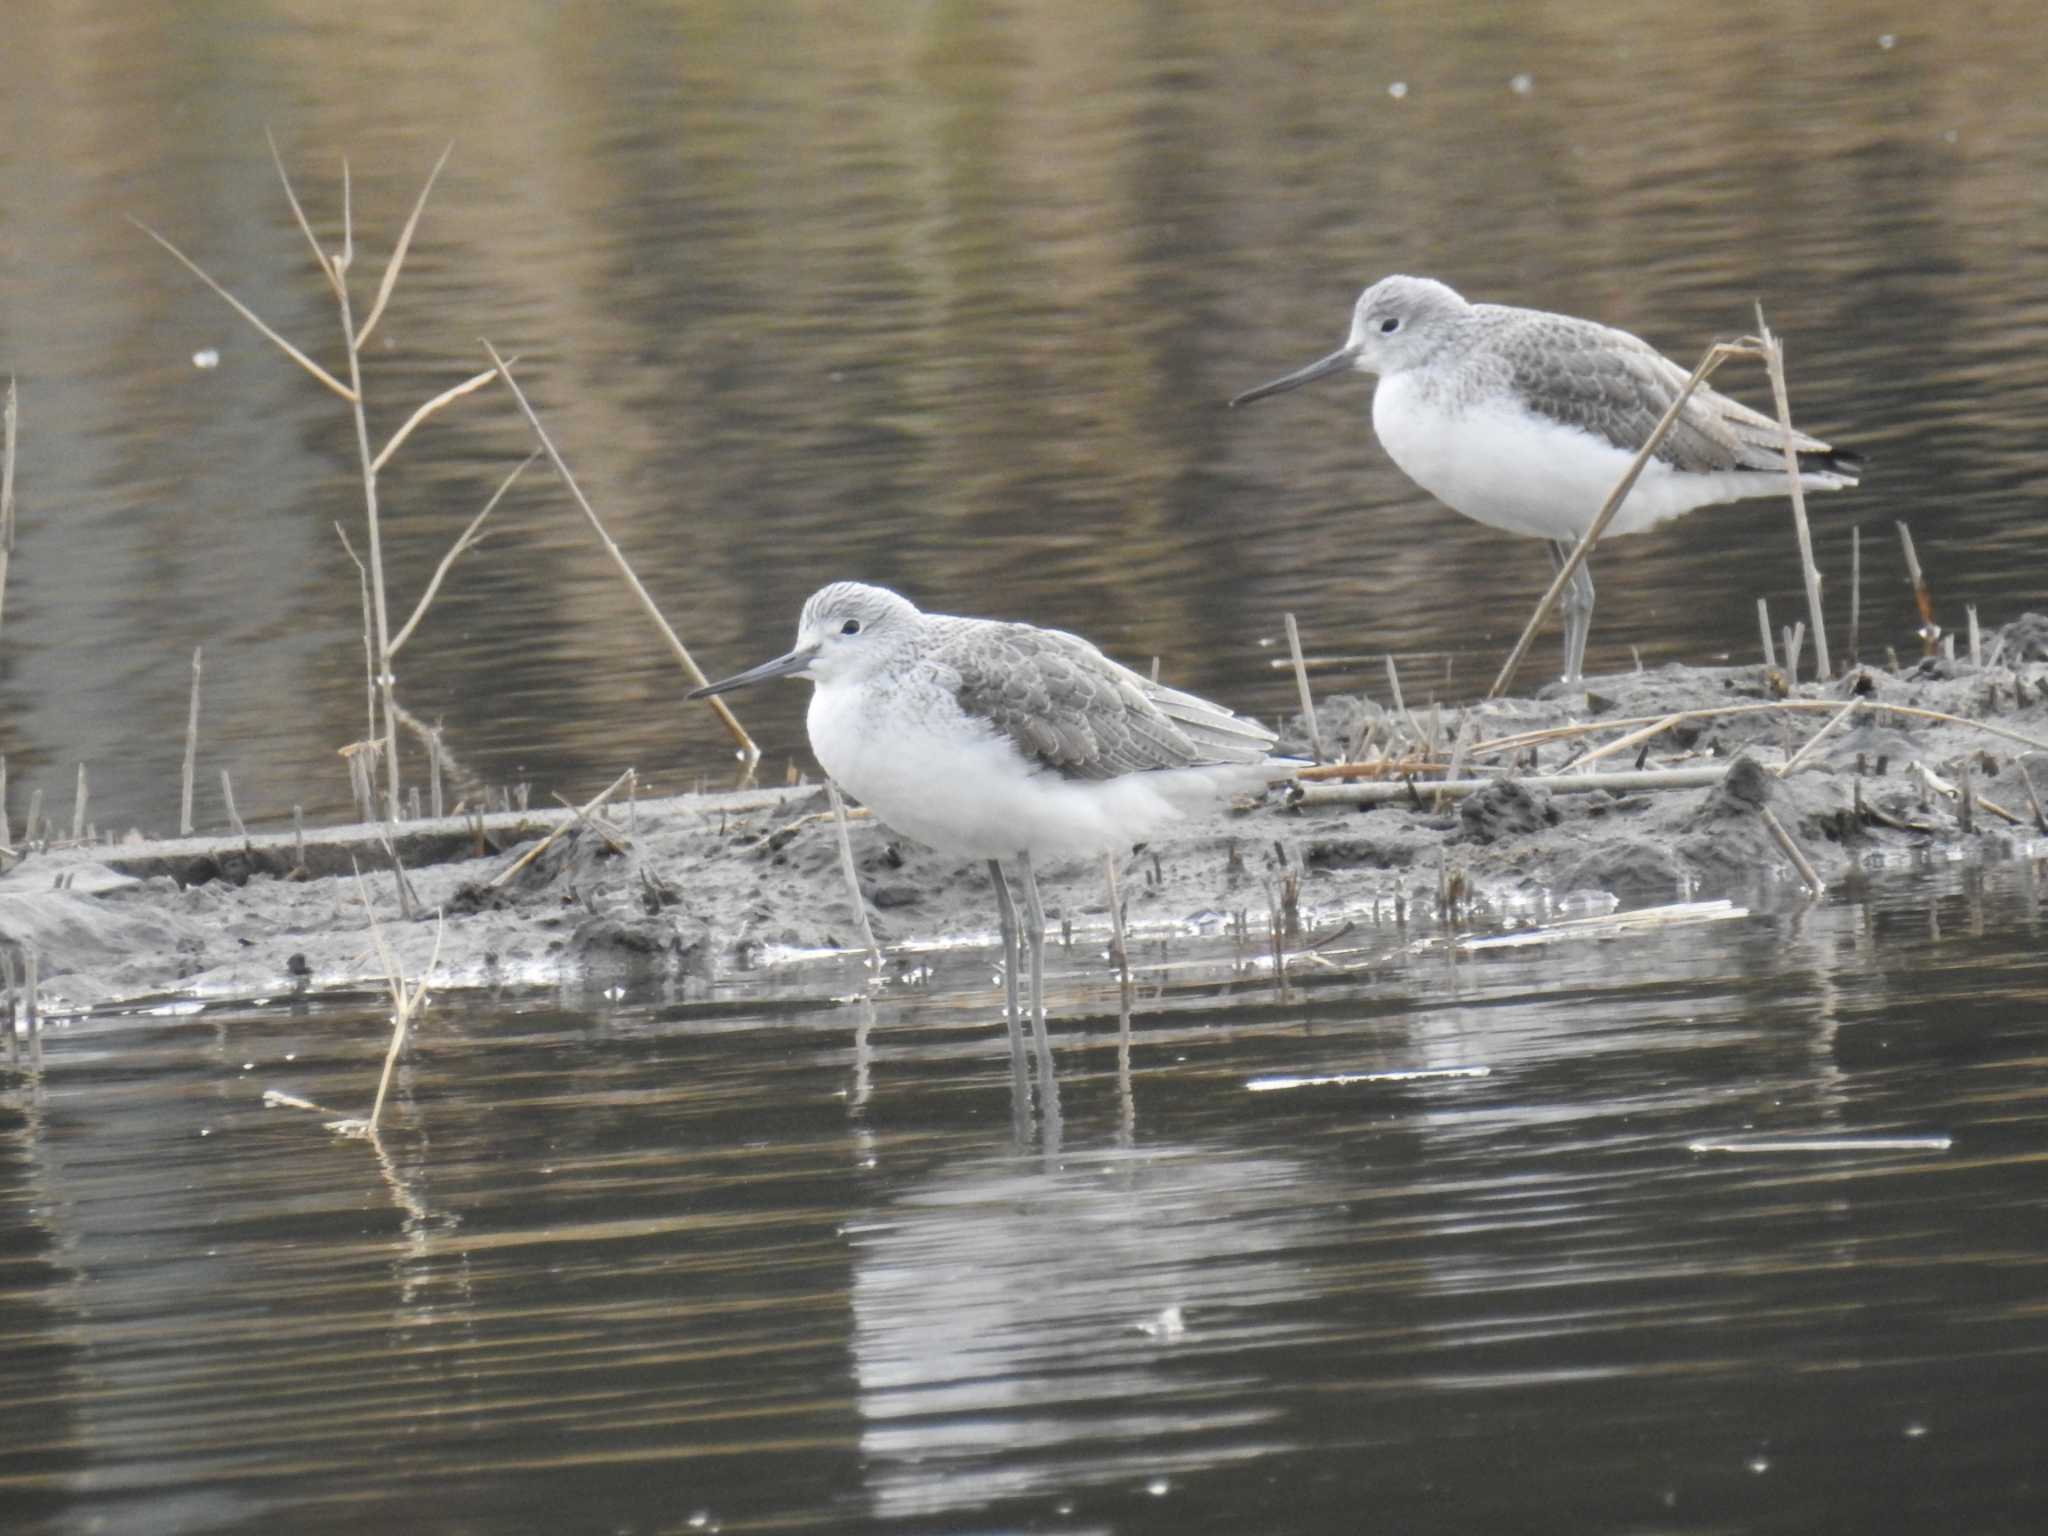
point(543, 845)
point(1716, 355)
point(749, 752)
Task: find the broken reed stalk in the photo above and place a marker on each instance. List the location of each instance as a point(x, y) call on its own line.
point(1763, 624)
point(1400, 704)
point(1976, 638)
point(6, 831)
point(1795, 638)
point(227, 798)
point(404, 1003)
point(1716, 355)
point(9, 420)
point(191, 752)
point(1308, 708)
point(860, 906)
point(2033, 795)
point(78, 808)
point(542, 846)
point(1930, 632)
point(371, 461)
point(1808, 875)
point(1785, 768)
point(1855, 592)
point(749, 753)
point(1774, 363)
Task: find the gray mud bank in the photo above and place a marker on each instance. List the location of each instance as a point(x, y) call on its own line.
point(710, 885)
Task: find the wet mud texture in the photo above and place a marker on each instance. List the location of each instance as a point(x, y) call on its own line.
point(713, 885)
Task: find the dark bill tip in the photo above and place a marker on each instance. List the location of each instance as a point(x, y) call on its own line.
point(1336, 362)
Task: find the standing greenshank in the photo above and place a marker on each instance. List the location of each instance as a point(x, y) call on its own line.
point(999, 741)
point(1525, 421)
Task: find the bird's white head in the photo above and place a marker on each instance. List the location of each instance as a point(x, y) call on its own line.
point(847, 631)
point(1397, 323)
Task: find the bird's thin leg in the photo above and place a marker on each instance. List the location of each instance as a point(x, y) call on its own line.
point(1576, 608)
point(1006, 917)
point(1034, 924)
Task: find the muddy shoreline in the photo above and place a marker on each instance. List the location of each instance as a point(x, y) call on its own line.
point(710, 885)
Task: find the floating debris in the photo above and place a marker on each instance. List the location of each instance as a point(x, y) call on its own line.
point(1344, 1079)
point(1821, 1144)
point(1607, 926)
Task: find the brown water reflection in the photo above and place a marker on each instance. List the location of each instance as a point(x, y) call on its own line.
point(626, 1263)
point(947, 298)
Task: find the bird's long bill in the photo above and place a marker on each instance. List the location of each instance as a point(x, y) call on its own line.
point(1336, 362)
point(781, 666)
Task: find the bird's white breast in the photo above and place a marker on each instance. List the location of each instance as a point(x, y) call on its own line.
point(954, 783)
point(1505, 467)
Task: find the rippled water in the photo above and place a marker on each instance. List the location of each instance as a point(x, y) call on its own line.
point(630, 1264)
point(950, 297)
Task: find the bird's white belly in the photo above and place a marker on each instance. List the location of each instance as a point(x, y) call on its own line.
point(954, 784)
point(1508, 469)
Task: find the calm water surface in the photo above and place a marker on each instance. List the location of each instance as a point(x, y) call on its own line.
point(770, 1263)
point(948, 297)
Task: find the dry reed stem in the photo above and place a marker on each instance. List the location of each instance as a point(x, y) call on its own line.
point(6, 831)
point(750, 753)
point(1808, 875)
point(191, 752)
point(1556, 783)
point(1377, 768)
point(369, 645)
point(1774, 363)
point(597, 825)
point(404, 1004)
point(469, 540)
point(542, 846)
point(1716, 355)
point(860, 906)
point(9, 422)
point(1400, 705)
point(1620, 744)
point(1308, 708)
point(1855, 592)
point(1930, 632)
point(2033, 796)
point(1784, 769)
point(335, 268)
point(227, 796)
point(78, 800)
point(1763, 624)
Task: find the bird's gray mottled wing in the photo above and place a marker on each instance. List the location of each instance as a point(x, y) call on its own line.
point(1617, 387)
point(1068, 706)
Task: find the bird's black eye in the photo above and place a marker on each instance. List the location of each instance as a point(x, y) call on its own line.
point(850, 627)
point(1390, 325)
